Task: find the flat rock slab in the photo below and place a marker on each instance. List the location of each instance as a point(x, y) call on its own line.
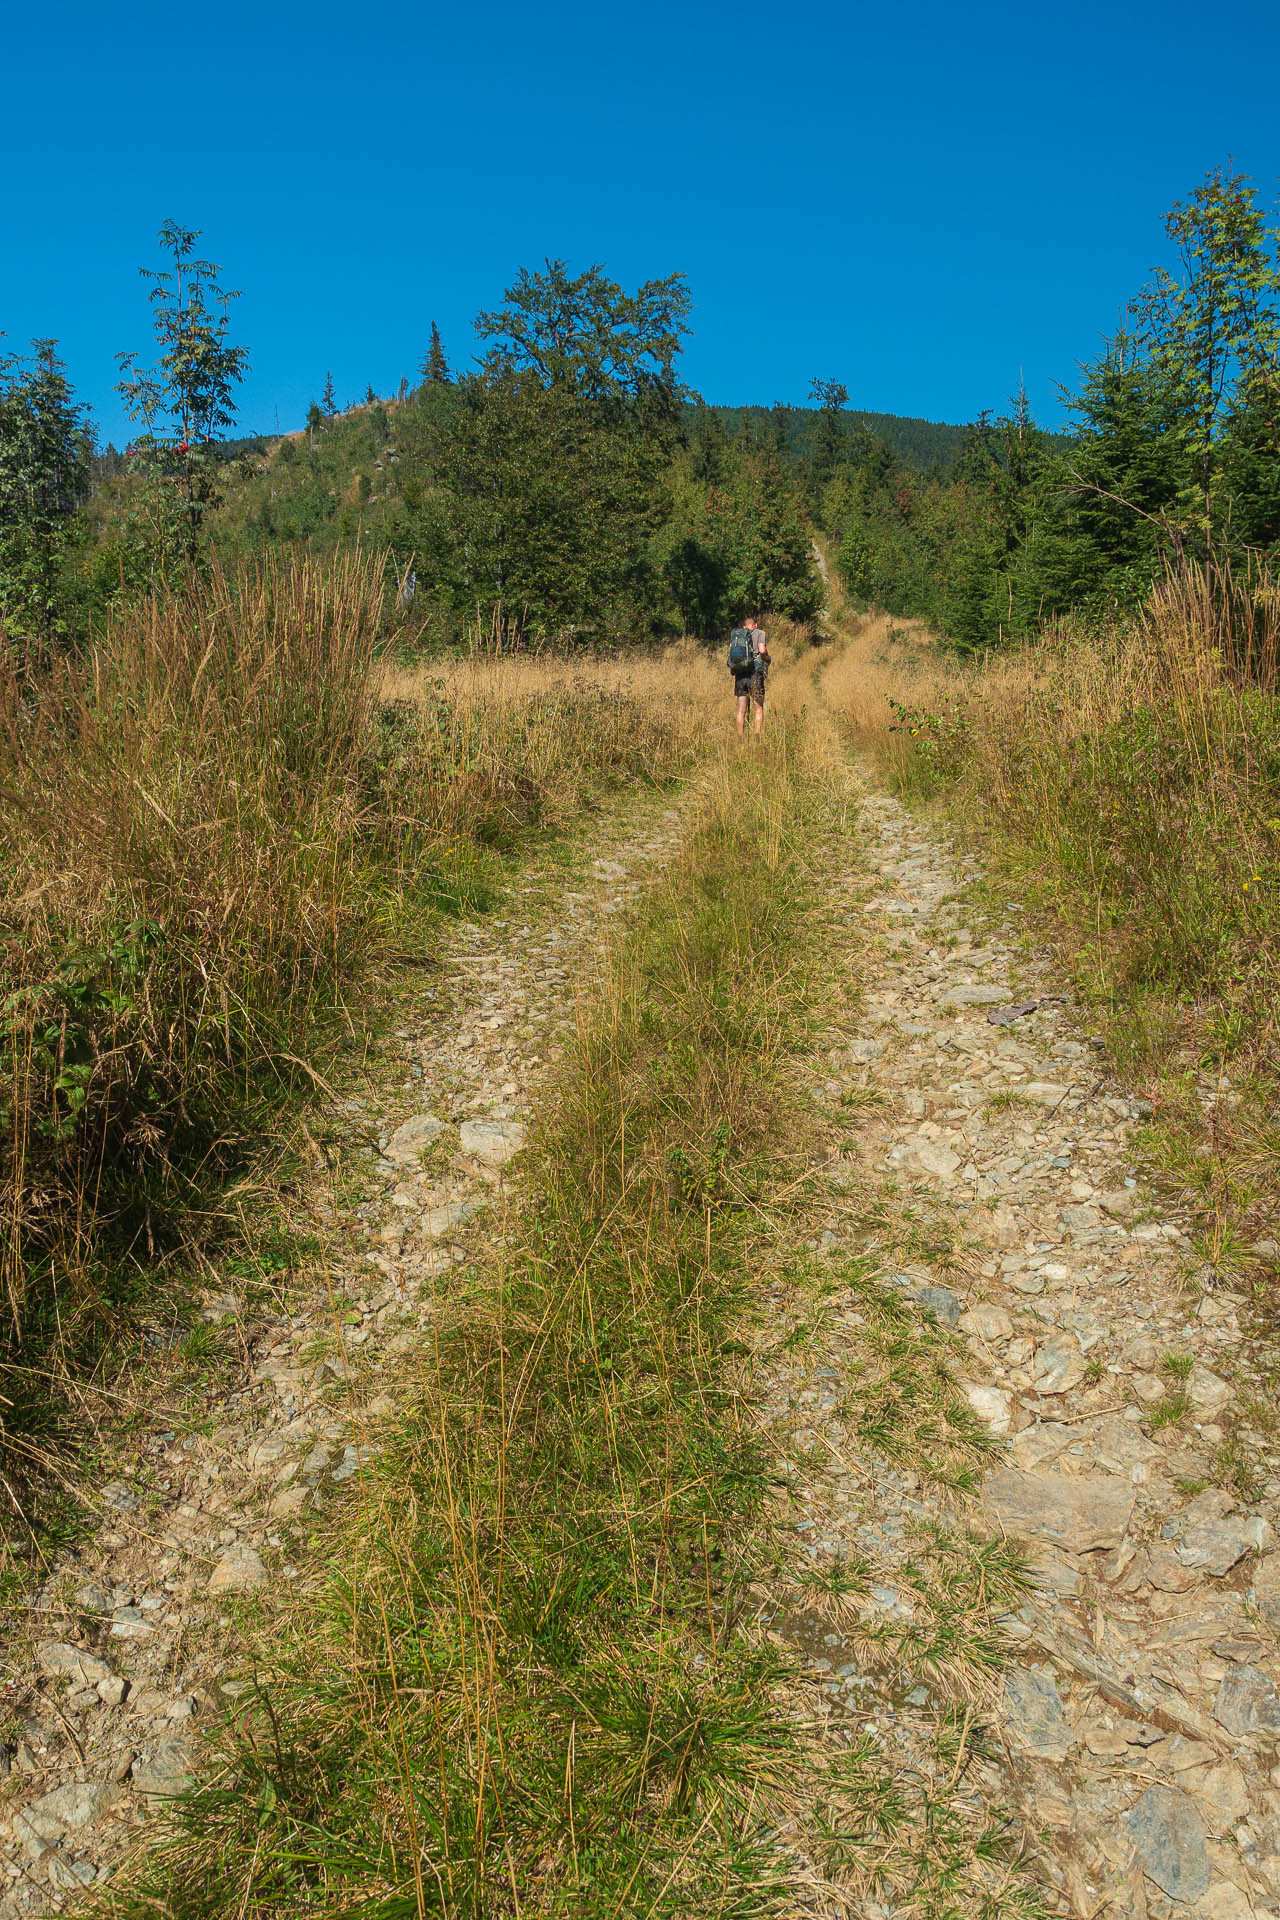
point(1170, 1837)
point(1043, 1093)
point(939, 1301)
point(1082, 1512)
point(491, 1142)
point(69, 1807)
point(1247, 1703)
point(58, 1659)
point(937, 1159)
point(1209, 1393)
point(239, 1570)
point(1057, 1366)
point(411, 1137)
point(974, 997)
point(988, 1323)
point(993, 1406)
point(1033, 1713)
point(442, 1220)
point(1215, 1545)
point(1266, 1589)
point(166, 1769)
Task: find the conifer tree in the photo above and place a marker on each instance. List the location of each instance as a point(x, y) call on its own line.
point(435, 368)
point(44, 477)
point(329, 399)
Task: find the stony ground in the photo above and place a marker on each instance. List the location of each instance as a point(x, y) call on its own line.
point(130, 1643)
point(1134, 1729)
point(1138, 1718)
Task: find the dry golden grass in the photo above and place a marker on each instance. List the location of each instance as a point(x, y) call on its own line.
point(213, 829)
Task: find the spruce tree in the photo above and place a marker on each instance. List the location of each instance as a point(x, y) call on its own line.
point(44, 477)
point(329, 399)
point(435, 368)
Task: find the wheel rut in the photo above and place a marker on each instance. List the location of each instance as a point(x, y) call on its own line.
point(1128, 1727)
point(130, 1644)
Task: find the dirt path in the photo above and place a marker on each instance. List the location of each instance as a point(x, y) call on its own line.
point(1136, 1723)
point(1115, 1724)
point(125, 1647)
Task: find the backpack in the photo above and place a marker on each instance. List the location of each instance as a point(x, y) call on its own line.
point(742, 652)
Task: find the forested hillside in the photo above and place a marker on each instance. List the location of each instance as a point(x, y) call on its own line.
point(571, 486)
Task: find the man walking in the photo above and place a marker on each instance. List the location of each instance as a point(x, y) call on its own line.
point(748, 657)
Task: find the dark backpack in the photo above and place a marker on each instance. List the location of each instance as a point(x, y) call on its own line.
point(742, 652)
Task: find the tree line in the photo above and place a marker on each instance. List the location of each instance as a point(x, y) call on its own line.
point(567, 484)
point(1174, 454)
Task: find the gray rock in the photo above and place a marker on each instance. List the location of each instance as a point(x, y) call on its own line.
point(1247, 1702)
point(442, 1220)
point(166, 1770)
point(410, 1138)
point(353, 1458)
point(1170, 1837)
point(1214, 1546)
point(988, 1323)
point(239, 1570)
point(120, 1497)
point(60, 1660)
point(1266, 1589)
point(1034, 1715)
point(1081, 1513)
point(93, 1600)
point(71, 1875)
point(74, 1806)
point(112, 1691)
point(1208, 1392)
point(937, 1159)
point(130, 1623)
point(1081, 1219)
point(492, 1142)
point(1057, 1366)
point(939, 1301)
point(1044, 1093)
point(974, 997)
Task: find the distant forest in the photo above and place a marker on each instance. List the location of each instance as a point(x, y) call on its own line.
point(924, 446)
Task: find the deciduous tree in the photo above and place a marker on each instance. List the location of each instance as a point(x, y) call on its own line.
point(186, 402)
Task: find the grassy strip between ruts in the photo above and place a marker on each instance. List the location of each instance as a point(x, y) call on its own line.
point(515, 1685)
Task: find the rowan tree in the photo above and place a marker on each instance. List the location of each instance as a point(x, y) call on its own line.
point(186, 402)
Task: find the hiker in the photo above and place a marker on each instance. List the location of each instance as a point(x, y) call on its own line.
point(748, 658)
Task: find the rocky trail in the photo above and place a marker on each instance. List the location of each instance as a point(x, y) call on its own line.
point(1138, 1716)
point(989, 1172)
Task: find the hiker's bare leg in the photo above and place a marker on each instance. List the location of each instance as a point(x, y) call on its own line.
point(743, 700)
point(759, 715)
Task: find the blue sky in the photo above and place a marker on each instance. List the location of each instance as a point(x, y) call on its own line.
point(924, 200)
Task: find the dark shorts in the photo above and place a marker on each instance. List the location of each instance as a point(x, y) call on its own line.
point(749, 686)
